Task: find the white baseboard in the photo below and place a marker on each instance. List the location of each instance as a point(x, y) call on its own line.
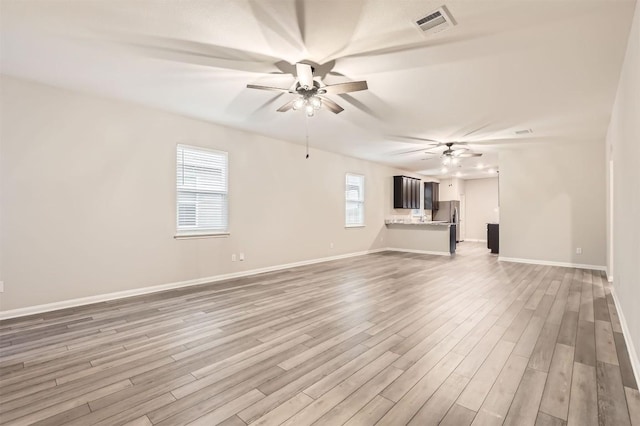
point(437, 253)
point(552, 263)
point(633, 355)
point(31, 310)
point(473, 240)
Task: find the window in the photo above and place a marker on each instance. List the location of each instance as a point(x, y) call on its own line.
point(354, 200)
point(201, 191)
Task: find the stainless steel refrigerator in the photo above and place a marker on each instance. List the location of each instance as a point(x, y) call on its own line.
point(449, 211)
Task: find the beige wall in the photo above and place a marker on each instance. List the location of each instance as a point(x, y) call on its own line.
point(451, 189)
point(552, 201)
point(481, 206)
point(88, 198)
point(623, 142)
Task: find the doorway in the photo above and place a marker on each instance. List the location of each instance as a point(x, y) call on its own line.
point(463, 217)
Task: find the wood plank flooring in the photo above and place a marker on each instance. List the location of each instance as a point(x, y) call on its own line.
point(388, 339)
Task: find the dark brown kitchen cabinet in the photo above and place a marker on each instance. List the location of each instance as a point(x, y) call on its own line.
point(431, 195)
point(406, 192)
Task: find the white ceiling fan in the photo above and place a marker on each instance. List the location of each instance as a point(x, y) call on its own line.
point(311, 93)
point(450, 155)
point(453, 152)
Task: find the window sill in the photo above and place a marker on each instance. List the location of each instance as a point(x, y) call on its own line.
point(354, 226)
point(200, 234)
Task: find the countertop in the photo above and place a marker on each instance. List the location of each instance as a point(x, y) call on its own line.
point(430, 223)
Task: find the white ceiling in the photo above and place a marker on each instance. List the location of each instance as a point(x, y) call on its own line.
point(550, 66)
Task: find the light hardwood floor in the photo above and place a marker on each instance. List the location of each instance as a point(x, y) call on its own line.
point(387, 339)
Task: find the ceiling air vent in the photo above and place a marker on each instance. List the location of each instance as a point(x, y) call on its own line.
point(436, 21)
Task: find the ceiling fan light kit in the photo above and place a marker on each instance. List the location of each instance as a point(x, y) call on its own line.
point(310, 104)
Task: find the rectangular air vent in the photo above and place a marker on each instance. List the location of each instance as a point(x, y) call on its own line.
point(436, 21)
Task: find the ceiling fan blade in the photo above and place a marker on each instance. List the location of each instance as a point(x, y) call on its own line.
point(265, 106)
point(300, 19)
point(305, 74)
point(276, 89)
point(422, 140)
point(191, 52)
point(359, 105)
point(353, 86)
point(275, 29)
point(413, 151)
point(469, 154)
point(332, 106)
point(286, 107)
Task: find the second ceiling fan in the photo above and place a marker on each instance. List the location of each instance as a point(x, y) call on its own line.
point(452, 152)
point(311, 93)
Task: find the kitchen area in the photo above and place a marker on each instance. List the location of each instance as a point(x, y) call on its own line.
point(430, 217)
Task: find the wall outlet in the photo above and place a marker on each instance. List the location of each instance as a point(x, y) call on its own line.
point(241, 257)
point(579, 250)
point(1, 286)
point(330, 245)
point(233, 257)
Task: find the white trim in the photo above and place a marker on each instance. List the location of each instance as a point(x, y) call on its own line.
point(552, 263)
point(437, 253)
point(609, 277)
point(31, 310)
point(474, 240)
point(200, 234)
point(626, 333)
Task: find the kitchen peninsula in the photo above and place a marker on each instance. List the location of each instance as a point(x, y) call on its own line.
point(433, 237)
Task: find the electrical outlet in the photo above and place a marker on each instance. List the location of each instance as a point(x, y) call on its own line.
point(241, 257)
point(1, 286)
point(579, 250)
point(233, 257)
point(330, 245)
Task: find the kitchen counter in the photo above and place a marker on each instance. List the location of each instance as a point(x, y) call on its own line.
point(430, 223)
point(420, 237)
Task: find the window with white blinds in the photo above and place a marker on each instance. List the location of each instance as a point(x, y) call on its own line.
point(201, 191)
point(354, 200)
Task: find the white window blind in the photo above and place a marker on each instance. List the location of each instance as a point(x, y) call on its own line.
point(201, 190)
point(354, 200)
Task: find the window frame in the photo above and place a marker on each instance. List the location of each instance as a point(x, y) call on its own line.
point(202, 232)
point(361, 202)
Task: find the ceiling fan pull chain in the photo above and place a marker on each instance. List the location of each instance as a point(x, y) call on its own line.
point(306, 127)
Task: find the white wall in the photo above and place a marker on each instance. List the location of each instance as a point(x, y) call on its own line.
point(482, 206)
point(552, 201)
point(451, 189)
point(88, 198)
point(623, 143)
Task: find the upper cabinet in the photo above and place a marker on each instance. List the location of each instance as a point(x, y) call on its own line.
point(406, 192)
point(431, 195)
